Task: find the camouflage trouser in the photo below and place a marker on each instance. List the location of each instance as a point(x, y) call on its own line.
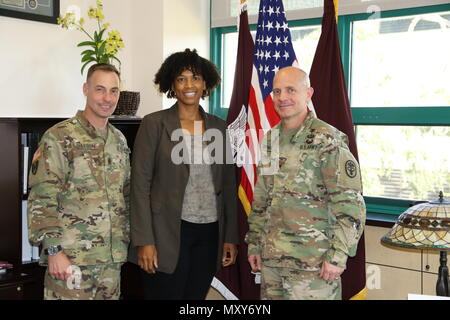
point(291, 284)
point(100, 282)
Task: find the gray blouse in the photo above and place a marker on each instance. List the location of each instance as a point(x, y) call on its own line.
point(199, 203)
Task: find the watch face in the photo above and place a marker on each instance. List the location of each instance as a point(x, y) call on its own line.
point(53, 250)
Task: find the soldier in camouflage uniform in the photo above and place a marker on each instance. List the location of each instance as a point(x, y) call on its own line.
point(308, 214)
point(78, 206)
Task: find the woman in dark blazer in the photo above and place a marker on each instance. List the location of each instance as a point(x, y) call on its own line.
point(183, 207)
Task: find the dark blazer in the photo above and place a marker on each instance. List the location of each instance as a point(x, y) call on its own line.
point(158, 186)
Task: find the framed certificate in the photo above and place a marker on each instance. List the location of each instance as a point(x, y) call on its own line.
point(37, 10)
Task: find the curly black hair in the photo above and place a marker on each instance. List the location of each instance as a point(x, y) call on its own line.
point(178, 62)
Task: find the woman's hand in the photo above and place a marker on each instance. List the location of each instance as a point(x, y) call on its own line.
point(229, 254)
point(148, 258)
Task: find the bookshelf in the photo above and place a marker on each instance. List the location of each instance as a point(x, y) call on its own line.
point(27, 276)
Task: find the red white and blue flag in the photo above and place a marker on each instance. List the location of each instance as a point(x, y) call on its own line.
point(273, 51)
point(251, 114)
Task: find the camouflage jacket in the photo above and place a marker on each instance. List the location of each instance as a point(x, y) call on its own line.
point(79, 195)
point(310, 208)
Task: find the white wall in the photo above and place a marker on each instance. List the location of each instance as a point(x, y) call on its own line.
point(40, 63)
point(186, 25)
point(146, 37)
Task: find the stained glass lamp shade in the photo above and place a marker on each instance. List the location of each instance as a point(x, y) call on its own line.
point(425, 226)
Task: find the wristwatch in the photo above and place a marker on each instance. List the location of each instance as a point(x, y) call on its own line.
point(52, 250)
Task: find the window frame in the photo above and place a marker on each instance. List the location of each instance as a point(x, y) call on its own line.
point(378, 208)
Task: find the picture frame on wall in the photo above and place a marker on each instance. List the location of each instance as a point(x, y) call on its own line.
point(36, 10)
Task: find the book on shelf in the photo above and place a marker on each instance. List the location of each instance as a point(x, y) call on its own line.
point(4, 265)
point(25, 152)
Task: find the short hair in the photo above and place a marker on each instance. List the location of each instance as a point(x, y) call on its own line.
point(304, 77)
point(178, 62)
point(102, 67)
point(306, 81)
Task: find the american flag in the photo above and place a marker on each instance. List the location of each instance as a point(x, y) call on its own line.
point(273, 51)
point(251, 109)
point(250, 116)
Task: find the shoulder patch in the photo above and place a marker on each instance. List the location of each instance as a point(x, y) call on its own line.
point(349, 175)
point(35, 162)
point(350, 168)
point(36, 155)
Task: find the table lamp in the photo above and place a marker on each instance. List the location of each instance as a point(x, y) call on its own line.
point(425, 226)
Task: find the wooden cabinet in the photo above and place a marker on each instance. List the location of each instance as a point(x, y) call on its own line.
point(13, 285)
point(26, 279)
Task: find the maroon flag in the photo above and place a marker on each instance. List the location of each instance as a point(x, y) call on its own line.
point(332, 105)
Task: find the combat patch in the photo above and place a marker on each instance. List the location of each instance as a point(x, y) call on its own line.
point(34, 167)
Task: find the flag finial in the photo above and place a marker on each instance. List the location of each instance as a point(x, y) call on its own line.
point(336, 9)
point(242, 8)
point(243, 5)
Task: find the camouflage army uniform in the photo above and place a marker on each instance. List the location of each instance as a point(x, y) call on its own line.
point(308, 211)
point(79, 199)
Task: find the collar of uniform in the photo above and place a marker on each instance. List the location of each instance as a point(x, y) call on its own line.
point(90, 129)
point(305, 125)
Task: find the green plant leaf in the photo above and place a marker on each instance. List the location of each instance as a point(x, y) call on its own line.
point(84, 66)
point(100, 35)
point(86, 43)
point(101, 50)
point(104, 59)
point(96, 38)
point(116, 59)
point(88, 52)
point(87, 58)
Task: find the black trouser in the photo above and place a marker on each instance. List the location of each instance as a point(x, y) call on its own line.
point(195, 269)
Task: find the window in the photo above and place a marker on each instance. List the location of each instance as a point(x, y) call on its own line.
point(400, 99)
point(414, 57)
point(404, 162)
point(398, 71)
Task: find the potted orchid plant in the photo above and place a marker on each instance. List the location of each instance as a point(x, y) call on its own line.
point(99, 48)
